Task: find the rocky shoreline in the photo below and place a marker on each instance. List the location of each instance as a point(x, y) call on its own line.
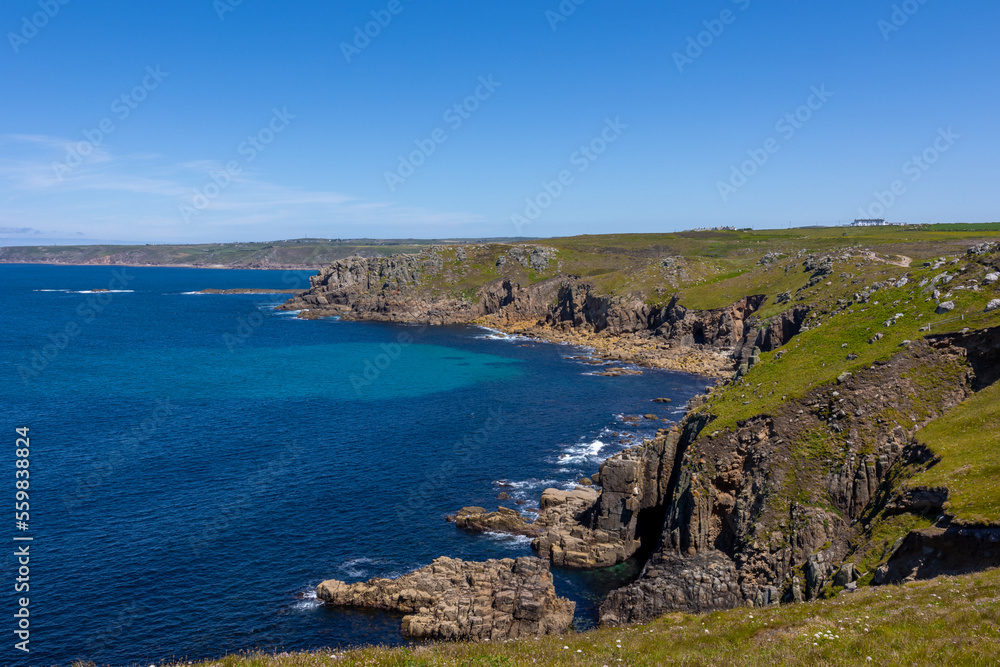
point(629, 349)
point(762, 511)
point(454, 599)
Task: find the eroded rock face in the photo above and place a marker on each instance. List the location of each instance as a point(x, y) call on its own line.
point(454, 599)
point(395, 289)
point(750, 508)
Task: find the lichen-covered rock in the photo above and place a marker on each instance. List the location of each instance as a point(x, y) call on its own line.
point(459, 600)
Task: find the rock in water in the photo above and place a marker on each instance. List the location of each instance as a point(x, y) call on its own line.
point(504, 520)
point(454, 599)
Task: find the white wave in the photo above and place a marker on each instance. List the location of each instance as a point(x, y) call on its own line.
point(307, 600)
point(88, 291)
point(508, 540)
point(355, 566)
point(103, 291)
point(496, 334)
point(583, 452)
point(525, 484)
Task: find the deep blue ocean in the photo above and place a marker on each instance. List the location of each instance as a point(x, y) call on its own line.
point(198, 463)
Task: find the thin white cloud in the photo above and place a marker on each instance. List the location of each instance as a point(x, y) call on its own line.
point(146, 195)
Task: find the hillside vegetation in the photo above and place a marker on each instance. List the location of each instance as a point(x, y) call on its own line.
point(816, 458)
point(945, 621)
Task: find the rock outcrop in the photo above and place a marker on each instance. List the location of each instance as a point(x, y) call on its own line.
point(454, 599)
point(752, 510)
point(504, 520)
point(941, 549)
point(399, 288)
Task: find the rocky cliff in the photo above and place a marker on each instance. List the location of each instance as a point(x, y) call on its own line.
point(455, 599)
point(772, 506)
point(405, 288)
point(768, 512)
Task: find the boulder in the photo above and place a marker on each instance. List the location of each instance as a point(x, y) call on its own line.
point(993, 305)
point(945, 307)
point(458, 600)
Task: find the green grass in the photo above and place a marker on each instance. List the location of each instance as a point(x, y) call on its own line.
point(874, 546)
point(818, 356)
point(967, 440)
point(945, 621)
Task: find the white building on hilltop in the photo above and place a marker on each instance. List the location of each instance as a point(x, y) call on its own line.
point(873, 222)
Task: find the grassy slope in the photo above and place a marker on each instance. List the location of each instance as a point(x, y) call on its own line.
point(946, 621)
point(968, 443)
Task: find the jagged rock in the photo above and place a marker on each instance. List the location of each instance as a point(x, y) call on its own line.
point(454, 599)
point(728, 535)
point(983, 248)
point(670, 583)
point(797, 590)
point(942, 549)
point(993, 305)
point(537, 258)
point(504, 520)
point(920, 500)
point(991, 278)
point(845, 575)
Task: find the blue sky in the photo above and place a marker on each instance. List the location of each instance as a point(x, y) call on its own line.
point(253, 121)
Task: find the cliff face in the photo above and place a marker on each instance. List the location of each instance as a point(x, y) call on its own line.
point(399, 289)
point(767, 512)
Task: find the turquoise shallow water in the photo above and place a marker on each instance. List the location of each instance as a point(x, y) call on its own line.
point(200, 462)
